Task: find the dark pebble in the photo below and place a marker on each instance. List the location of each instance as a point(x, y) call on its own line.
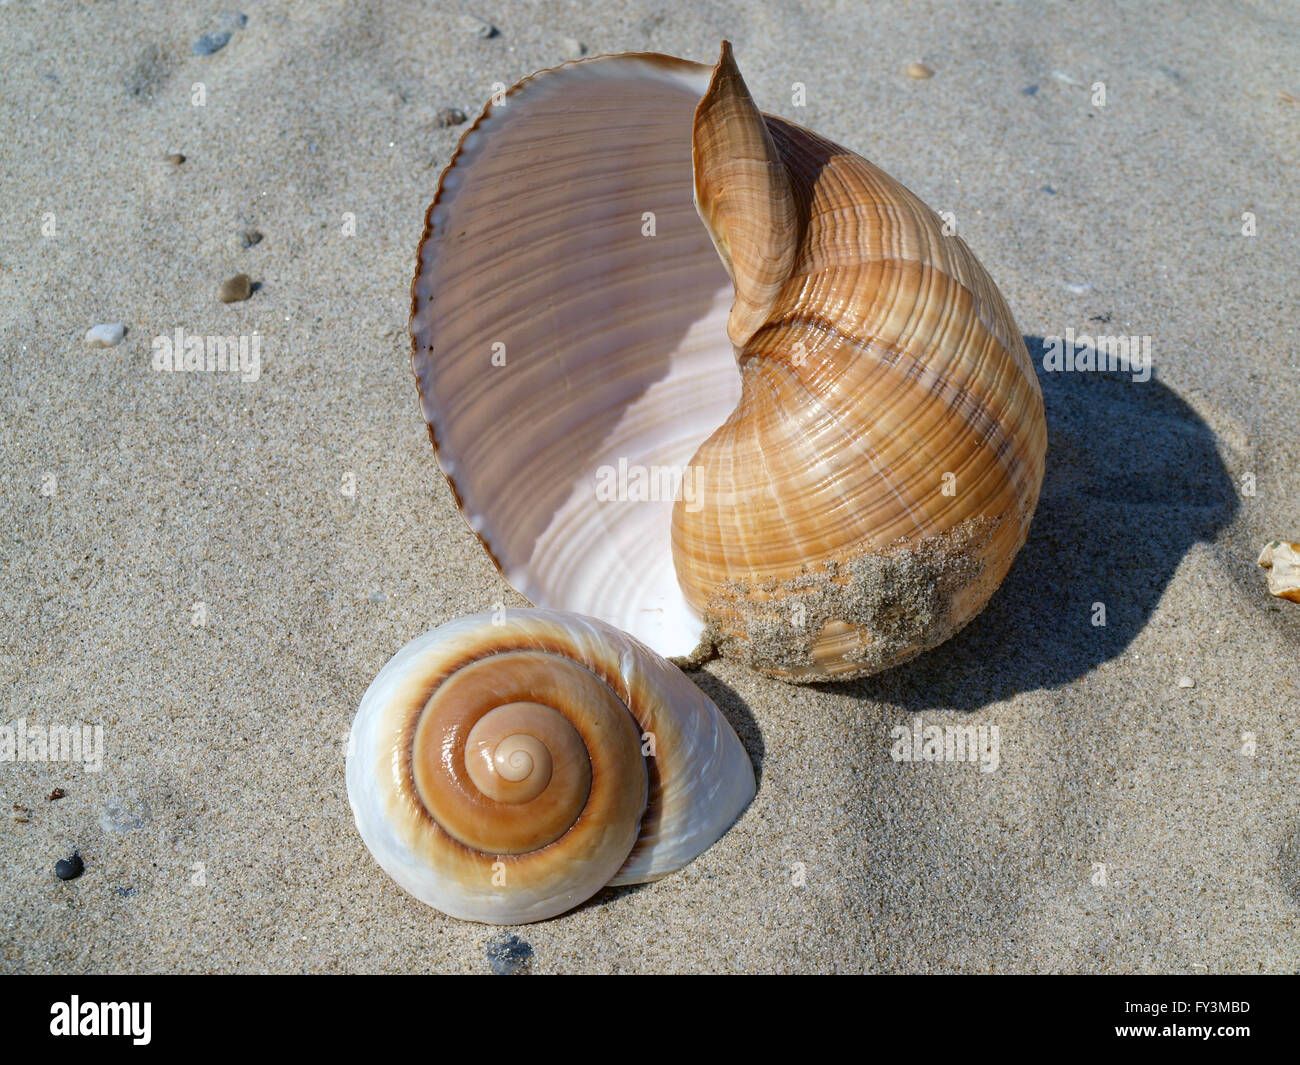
point(449, 116)
point(210, 43)
point(249, 237)
point(57, 793)
point(69, 868)
point(125, 892)
point(1030, 90)
point(1049, 190)
point(509, 956)
point(175, 158)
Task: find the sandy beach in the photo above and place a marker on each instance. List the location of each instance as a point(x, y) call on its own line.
point(204, 571)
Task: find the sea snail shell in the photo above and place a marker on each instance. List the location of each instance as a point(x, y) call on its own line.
point(834, 384)
point(504, 769)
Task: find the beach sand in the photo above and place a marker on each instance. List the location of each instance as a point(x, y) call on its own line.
point(1131, 824)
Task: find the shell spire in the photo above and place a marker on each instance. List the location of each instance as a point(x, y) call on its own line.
point(742, 191)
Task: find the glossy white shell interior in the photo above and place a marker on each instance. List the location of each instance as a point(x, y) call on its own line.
point(549, 258)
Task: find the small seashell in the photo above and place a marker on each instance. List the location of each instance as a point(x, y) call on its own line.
point(105, 335)
point(504, 768)
point(1282, 560)
point(758, 399)
point(235, 289)
point(57, 793)
point(919, 71)
point(449, 116)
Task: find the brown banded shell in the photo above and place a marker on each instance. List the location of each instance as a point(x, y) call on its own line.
point(506, 768)
point(628, 269)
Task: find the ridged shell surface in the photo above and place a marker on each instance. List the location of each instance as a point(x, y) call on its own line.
point(677, 282)
point(875, 482)
point(554, 339)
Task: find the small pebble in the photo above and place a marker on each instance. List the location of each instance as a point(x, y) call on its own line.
point(510, 956)
point(1029, 90)
point(449, 116)
point(21, 814)
point(175, 158)
point(249, 237)
point(1049, 190)
point(105, 335)
point(125, 892)
point(56, 794)
point(477, 26)
point(574, 48)
point(235, 289)
point(1186, 682)
point(211, 43)
point(69, 868)
point(919, 70)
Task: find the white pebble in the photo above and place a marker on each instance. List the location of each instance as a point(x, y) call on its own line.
point(105, 335)
point(1186, 682)
point(479, 27)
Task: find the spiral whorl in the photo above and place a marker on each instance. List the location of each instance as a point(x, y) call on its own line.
point(504, 771)
point(501, 754)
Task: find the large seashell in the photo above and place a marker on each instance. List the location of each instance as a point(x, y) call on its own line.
point(833, 385)
point(506, 768)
